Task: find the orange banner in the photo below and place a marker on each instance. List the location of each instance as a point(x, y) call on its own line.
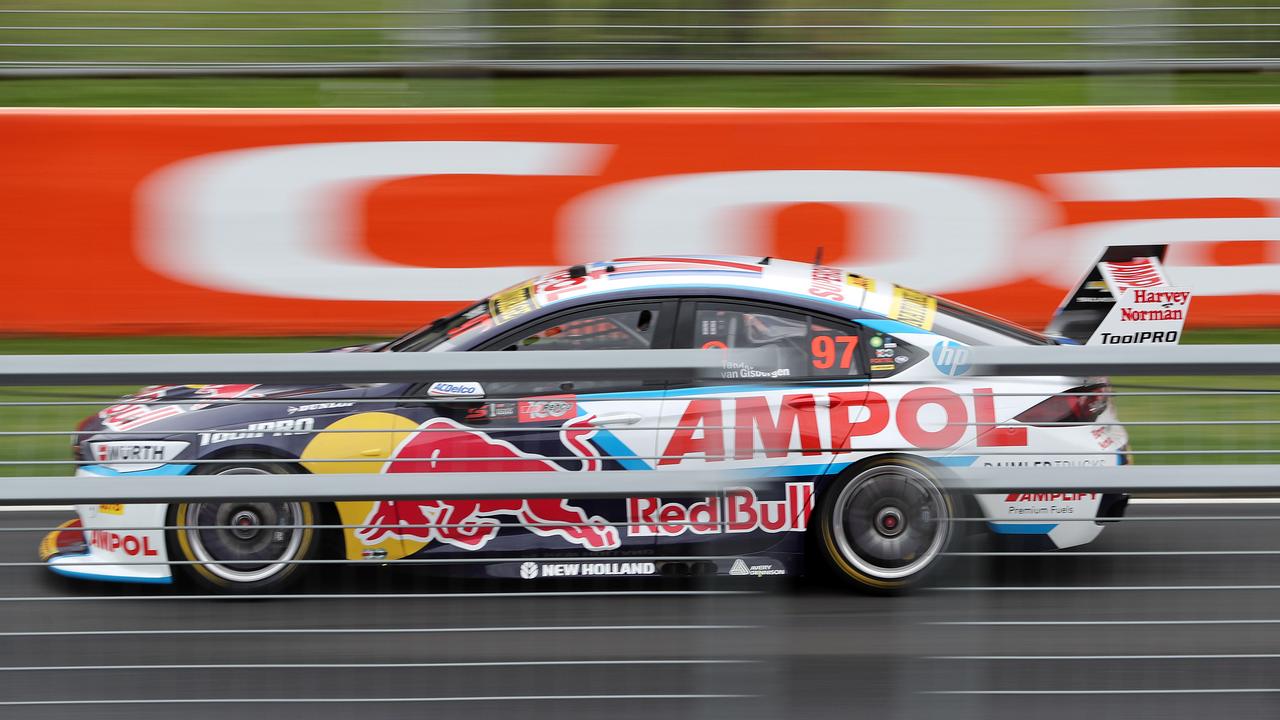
point(378, 221)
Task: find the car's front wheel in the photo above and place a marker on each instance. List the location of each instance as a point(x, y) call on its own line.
point(885, 525)
point(245, 547)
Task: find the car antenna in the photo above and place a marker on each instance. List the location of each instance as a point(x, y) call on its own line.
point(764, 260)
point(817, 256)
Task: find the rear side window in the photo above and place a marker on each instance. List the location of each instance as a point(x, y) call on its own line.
point(974, 327)
point(795, 345)
point(623, 329)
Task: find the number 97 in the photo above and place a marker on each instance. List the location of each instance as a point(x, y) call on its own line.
point(829, 351)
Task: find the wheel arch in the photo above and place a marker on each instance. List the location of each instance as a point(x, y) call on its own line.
point(966, 505)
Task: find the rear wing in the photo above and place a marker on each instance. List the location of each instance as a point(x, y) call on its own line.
point(1124, 299)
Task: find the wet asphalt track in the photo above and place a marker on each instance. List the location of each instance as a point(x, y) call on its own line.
point(722, 649)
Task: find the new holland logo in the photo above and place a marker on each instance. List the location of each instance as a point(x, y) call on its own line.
point(739, 568)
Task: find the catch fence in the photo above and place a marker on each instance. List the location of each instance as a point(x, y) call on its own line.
point(1170, 611)
point(327, 37)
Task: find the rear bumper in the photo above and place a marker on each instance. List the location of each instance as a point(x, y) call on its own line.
point(1112, 507)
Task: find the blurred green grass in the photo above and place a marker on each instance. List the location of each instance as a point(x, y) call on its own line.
point(1244, 402)
point(60, 418)
point(1206, 439)
point(639, 91)
point(1025, 30)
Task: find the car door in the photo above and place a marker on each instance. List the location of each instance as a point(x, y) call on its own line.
point(559, 425)
point(786, 418)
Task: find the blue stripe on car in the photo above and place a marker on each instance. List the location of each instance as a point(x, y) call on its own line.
point(68, 572)
point(169, 469)
point(1022, 528)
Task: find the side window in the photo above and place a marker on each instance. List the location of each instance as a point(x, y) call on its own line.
point(628, 328)
point(887, 355)
point(795, 345)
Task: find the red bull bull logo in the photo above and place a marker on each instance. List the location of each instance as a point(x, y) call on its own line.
point(442, 445)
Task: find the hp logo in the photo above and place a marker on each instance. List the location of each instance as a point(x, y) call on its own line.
point(951, 358)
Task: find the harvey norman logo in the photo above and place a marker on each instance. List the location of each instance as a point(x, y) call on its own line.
point(1156, 305)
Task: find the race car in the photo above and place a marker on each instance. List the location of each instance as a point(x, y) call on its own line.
point(856, 400)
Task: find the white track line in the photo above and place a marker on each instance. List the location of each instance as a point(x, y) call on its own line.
point(1223, 656)
point(462, 698)
point(340, 631)
point(1039, 623)
point(36, 508)
point(1094, 588)
point(372, 666)
point(1172, 691)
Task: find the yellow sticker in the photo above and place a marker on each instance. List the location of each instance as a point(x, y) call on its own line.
point(865, 283)
point(510, 304)
point(111, 509)
point(913, 308)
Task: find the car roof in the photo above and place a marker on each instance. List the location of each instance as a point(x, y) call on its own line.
point(684, 273)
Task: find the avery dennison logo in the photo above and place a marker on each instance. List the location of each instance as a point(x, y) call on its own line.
point(740, 568)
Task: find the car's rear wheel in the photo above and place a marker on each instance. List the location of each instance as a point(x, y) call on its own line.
point(243, 547)
point(885, 525)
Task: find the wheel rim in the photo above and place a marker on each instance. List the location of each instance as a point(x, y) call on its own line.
point(231, 542)
point(890, 522)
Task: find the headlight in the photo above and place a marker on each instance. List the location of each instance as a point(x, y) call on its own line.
point(135, 455)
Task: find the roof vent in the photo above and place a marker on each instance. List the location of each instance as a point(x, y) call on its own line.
point(578, 271)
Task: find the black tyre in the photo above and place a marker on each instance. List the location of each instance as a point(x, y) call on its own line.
point(235, 547)
point(885, 525)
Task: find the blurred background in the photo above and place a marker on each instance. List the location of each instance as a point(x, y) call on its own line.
point(120, 239)
point(254, 53)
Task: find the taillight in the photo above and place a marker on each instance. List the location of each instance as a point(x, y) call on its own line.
point(1077, 405)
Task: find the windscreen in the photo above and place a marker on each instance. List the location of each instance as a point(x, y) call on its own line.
point(451, 327)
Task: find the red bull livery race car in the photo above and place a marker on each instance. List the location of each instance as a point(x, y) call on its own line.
point(862, 402)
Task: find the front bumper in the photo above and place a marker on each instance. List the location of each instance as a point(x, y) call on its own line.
point(121, 543)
